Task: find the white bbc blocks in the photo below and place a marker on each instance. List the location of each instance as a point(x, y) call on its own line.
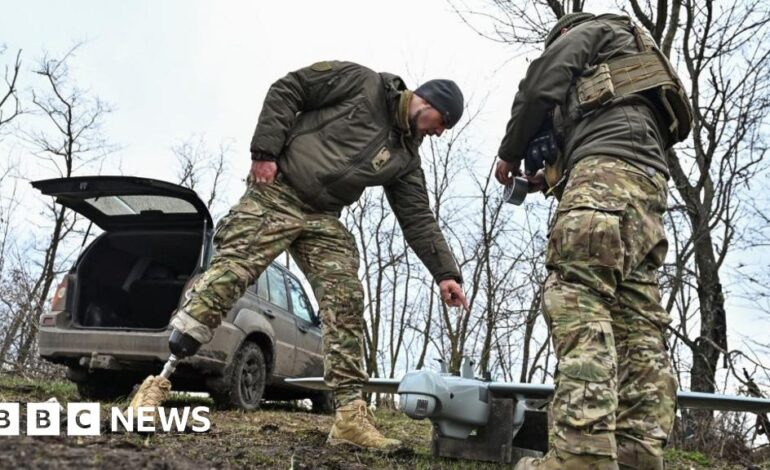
point(43, 419)
point(9, 419)
point(83, 419)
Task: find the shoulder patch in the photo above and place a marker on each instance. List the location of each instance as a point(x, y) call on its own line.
point(323, 66)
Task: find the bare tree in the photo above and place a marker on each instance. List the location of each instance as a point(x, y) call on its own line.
point(69, 138)
point(373, 227)
point(726, 57)
point(201, 169)
point(444, 163)
point(10, 106)
point(8, 282)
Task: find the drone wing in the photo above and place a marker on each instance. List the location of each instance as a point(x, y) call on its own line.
point(707, 401)
point(712, 401)
point(373, 385)
point(376, 385)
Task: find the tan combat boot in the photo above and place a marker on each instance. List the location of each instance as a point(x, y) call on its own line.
point(634, 456)
point(354, 424)
point(560, 460)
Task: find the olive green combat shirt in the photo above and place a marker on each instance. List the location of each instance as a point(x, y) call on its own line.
point(333, 130)
point(628, 130)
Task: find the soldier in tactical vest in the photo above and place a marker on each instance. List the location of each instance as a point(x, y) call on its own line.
point(325, 133)
point(612, 101)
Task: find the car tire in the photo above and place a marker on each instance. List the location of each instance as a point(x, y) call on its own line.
point(244, 381)
point(101, 385)
point(323, 403)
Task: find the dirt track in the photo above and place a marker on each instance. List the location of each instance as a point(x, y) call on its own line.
point(274, 437)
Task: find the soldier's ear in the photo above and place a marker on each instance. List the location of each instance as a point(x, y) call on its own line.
point(563, 31)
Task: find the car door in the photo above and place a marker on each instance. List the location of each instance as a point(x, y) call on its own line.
point(309, 358)
point(274, 297)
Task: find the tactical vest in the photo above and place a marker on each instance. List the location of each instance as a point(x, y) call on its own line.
point(648, 72)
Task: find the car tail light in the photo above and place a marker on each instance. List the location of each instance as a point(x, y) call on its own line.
point(59, 301)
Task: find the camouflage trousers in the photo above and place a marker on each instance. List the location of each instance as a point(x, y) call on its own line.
point(269, 219)
point(603, 307)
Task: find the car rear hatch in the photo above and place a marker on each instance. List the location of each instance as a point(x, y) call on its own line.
point(128, 203)
point(132, 276)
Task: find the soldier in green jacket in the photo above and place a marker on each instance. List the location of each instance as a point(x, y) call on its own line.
point(611, 100)
point(326, 132)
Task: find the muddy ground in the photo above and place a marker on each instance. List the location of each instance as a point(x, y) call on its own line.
point(278, 436)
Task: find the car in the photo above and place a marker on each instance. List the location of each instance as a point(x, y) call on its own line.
point(109, 317)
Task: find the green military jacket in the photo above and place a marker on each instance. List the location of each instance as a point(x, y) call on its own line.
point(332, 129)
point(629, 130)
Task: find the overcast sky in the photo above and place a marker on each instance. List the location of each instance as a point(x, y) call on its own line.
point(173, 69)
point(177, 68)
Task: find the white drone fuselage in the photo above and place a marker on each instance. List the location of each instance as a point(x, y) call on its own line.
point(456, 405)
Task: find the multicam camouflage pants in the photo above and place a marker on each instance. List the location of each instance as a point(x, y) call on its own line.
point(602, 304)
point(269, 219)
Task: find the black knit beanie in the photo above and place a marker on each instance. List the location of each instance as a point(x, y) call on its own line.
point(445, 96)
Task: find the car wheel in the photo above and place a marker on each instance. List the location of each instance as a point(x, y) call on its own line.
point(323, 403)
point(245, 382)
point(101, 385)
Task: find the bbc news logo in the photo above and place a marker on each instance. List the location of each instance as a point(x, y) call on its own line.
point(84, 419)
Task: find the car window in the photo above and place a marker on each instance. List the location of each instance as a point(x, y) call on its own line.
point(299, 302)
point(136, 204)
point(277, 288)
point(261, 289)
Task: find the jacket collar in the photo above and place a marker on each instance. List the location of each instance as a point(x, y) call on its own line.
point(394, 86)
point(394, 92)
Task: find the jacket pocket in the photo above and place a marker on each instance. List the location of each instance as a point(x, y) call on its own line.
point(364, 155)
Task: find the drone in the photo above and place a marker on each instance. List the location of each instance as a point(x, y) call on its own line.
point(496, 421)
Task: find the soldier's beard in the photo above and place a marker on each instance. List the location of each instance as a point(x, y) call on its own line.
point(413, 122)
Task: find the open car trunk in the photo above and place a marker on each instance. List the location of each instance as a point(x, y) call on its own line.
point(133, 275)
point(134, 279)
